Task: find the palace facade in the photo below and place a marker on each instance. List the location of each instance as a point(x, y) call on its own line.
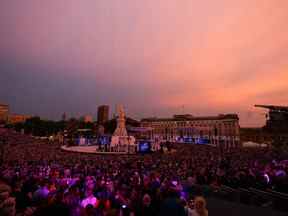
point(219, 130)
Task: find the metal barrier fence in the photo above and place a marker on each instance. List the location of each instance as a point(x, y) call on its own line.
point(249, 196)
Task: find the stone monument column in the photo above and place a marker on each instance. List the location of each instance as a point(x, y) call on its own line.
point(121, 128)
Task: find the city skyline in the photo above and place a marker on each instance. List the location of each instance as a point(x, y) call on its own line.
point(154, 57)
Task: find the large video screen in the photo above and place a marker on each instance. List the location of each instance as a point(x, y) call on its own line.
point(188, 140)
point(104, 140)
point(202, 141)
point(185, 139)
point(144, 146)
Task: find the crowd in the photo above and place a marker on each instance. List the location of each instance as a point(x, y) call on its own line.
point(38, 178)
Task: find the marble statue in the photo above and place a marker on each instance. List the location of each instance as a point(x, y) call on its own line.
point(120, 139)
point(121, 128)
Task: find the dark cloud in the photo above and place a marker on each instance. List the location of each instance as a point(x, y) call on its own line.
point(153, 56)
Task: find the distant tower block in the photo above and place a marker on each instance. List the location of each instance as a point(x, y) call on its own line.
point(103, 114)
point(121, 128)
point(64, 117)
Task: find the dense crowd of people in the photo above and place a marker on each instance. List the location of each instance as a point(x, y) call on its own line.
point(37, 178)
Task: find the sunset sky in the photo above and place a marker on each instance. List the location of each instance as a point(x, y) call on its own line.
point(157, 57)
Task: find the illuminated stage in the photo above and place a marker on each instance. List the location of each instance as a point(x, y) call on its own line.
point(89, 149)
point(119, 143)
point(142, 147)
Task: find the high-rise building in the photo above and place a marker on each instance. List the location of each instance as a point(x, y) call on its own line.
point(103, 114)
point(4, 112)
point(64, 117)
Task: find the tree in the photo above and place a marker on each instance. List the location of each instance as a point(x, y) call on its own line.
point(39, 127)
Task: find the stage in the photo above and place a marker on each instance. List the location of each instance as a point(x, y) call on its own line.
point(89, 150)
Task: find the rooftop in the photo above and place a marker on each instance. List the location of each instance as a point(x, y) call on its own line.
point(188, 117)
point(273, 107)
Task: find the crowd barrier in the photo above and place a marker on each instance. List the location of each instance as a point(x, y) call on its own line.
point(248, 196)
